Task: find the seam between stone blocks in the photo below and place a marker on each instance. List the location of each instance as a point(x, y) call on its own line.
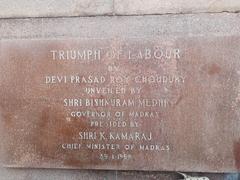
point(121, 15)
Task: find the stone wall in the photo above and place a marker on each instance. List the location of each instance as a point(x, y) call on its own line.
point(54, 19)
point(70, 8)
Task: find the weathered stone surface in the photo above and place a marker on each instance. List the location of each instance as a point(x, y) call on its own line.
point(207, 25)
point(172, 6)
point(66, 8)
point(204, 112)
point(54, 8)
point(49, 174)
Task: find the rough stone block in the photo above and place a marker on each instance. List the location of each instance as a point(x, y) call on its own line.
point(54, 8)
point(64, 8)
point(138, 7)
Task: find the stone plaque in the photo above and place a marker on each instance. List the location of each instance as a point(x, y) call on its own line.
point(163, 103)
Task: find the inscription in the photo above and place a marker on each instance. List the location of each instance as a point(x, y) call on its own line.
point(154, 53)
point(76, 54)
point(118, 103)
point(129, 89)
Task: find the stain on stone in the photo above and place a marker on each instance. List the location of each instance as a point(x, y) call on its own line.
point(214, 69)
point(72, 162)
